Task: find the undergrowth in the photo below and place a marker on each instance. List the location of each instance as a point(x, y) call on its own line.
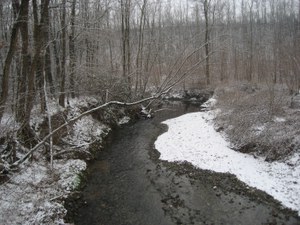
point(258, 119)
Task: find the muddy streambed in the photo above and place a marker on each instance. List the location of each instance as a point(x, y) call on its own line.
point(127, 184)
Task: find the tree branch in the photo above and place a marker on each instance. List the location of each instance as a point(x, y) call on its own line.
point(20, 161)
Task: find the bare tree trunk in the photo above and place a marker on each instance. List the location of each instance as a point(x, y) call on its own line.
point(139, 57)
point(49, 122)
point(110, 42)
point(26, 58)
point(38, 47)
point(48, 61)
point(41, 62)
point(72, 50)
point(40, 82)
point(88, 44)
point(63, 59)
point(123, 39)
point(56, 56)
point(223, 68)
point(12, 48)
point(197, 12)
point(251, 57)
point(48, 72)
point(126, 54)
point(207, 40)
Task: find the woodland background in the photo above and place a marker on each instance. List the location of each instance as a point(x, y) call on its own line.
point(67, 68)
point(120, 49)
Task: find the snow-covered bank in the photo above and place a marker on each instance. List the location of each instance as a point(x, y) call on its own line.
point(35, 194)
point(192, 138)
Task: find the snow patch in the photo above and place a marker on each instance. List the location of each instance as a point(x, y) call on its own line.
point(258, 129)
point(279, 119)
point(8, 124)
point(124, 120)
point(177, 95)
point(83, 101)
point(86, 130)
point(25, 199)
point(209, 103)
point(193, 138)
point(69, 174)
point(34, 195)
point(37, 118)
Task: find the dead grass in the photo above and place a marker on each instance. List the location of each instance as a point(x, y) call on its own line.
point(258, 119)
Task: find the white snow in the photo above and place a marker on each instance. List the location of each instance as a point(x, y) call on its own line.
point(32, 195)
point(35, 193)
point(85, 131)
point(37, 117)
point(279, 119)
point(124, 120)
point(192, 138)
point(209, 103)
point(258, 129)
point(8, 124)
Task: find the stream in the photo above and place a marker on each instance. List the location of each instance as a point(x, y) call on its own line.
point(128, 185)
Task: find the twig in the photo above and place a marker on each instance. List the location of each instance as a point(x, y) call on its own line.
point(164, 109)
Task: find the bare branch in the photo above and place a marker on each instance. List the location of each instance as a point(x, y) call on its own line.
point(20, 161)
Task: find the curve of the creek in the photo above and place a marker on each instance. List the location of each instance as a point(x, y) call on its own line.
point(128, 185)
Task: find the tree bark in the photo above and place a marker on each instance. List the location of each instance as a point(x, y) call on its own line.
point(48, 61)
point(126, 53)
point(62, 95)
point(12, 48)
point(207, 40)
point(140, 53)
point(26, 58)
point(72, 51)
point(38, 48)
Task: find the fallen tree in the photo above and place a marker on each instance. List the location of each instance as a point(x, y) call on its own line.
point(175, 76)
point(43, 141)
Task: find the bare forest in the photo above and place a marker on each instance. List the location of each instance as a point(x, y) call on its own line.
point(126, 52)
point(123, 51)
point(53, 52)
point(120, 49)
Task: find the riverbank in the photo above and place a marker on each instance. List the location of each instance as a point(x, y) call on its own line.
point(128, 184)
point(192, 138)
point(36, 193)
point(243, 134)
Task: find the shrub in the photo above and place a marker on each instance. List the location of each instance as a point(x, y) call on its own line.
point(258, 119)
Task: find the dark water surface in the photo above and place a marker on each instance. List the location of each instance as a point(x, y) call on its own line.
point(127, 184)
point(119, 191)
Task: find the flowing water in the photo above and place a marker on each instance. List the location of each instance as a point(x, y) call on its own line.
point(129, 185)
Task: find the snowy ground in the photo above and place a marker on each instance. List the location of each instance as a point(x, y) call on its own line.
point(34, 196)
point(35, 193)
point(192, 138)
